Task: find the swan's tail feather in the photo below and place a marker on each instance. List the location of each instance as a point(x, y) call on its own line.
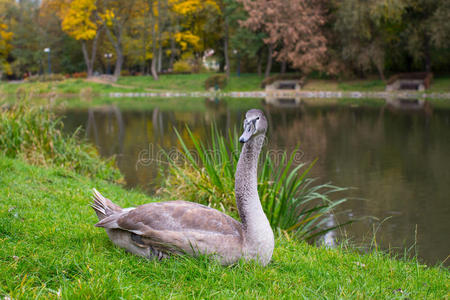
point(102, 206)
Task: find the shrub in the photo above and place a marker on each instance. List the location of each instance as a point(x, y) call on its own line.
point(291, 200)
point(125, 73)
point(79, 75)
point(34, 134)
point(216, 81)
point(182, 67)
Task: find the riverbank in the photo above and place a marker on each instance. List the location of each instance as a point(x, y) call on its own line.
point(189, 83)
point(50, 248)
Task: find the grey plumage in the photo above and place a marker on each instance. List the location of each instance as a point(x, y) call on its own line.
point(159, 229)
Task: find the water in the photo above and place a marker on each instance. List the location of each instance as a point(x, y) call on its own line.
point(395, 155)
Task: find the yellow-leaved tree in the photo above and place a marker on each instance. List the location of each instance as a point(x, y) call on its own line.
point(80, 21)
point(5, 48)
point(198, 27)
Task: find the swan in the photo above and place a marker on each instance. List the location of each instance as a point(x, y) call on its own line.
point(160, 229)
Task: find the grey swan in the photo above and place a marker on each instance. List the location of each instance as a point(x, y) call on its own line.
point(160, 229)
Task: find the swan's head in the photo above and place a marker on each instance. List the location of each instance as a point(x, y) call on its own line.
point(255, 124)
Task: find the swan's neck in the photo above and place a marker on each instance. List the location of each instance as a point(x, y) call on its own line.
point(255, 223)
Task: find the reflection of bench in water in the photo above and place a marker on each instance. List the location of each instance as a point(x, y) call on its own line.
point(283, 102)
point(409, 81)
point(407, 104)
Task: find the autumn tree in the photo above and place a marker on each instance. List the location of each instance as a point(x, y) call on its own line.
point(198, 24)
point(5, 48)
point(293, 29)
point(80, 20)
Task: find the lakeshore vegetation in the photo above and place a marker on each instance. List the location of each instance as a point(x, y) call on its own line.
point(192, 83)
point(51, 249)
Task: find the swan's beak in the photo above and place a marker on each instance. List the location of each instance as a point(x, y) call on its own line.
point(249, 130)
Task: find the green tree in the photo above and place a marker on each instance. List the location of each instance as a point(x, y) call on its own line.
point(365, 29)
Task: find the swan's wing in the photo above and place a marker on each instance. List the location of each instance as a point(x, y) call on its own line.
point(176, 223)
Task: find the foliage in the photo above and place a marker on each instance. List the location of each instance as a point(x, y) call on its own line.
point(182, 67)
point(366, 30)
point(293, 27)
point(216, 81)
point(291, 200)
point(5, 47)
point(50, 249)
point(79, 75)
point(33, 133)
point(78, 20)
point(343, 38)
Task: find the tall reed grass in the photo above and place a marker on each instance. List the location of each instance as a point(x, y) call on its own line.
point(292, 201)
point(34, 134)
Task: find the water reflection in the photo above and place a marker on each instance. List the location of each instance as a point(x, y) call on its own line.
point(395, 155)
point(283, 102)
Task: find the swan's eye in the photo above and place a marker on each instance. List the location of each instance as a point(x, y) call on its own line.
point(257, 118)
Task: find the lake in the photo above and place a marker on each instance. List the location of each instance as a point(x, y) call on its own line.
point(394, 154)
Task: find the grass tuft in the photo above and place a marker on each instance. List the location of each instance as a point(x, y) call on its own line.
point(33, 133)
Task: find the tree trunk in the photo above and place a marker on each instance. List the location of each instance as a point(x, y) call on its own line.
point(153, 24)
point(160, 51)
point(259, 62)
point(117, 44)
point(269, 61)
point(172, 52)
point(427, 54)
point(159, 37)
point(283, 67)
point(119, 63)
point(90, 61)
point(86, 59)
point(380, 72)
point(225, 49)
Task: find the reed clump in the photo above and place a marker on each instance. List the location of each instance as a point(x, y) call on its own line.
point(292, 201)
point(33, 133)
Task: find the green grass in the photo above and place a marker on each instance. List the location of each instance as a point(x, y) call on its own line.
point(50, 247)
point(192, 82)
point(67, 87)
point(440, 85)
point(175, 82)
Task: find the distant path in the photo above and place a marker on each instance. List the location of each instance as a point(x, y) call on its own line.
point(284, 94)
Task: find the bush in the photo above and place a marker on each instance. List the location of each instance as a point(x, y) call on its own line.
point(216, 81)
point(79, 75)
point(45, 78)
point(125, 73)
point(291, 200)
point(33, 134)
point(182, 67)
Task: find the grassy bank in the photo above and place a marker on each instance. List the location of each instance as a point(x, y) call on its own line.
point(50, 247)
point(195, 83)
